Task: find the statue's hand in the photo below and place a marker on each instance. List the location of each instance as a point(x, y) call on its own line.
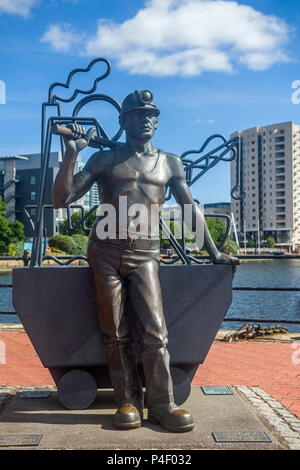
point(80, 139)
point(222, 258)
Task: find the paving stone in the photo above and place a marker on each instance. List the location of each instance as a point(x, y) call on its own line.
point(92, 428)
point(276, 416)
point(270, 368)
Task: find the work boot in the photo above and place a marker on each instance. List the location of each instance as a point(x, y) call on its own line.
point(127, 417)
point(171, 417)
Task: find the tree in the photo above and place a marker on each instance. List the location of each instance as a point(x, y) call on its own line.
point(17, 230)
point(216, 228)
point(270, 242)
point(75, 218)
point(11, 233)
point(5, 235)
point(2, 207)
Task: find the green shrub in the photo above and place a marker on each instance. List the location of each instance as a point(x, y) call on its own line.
point(62, 243)
point(80, 244)
point(230, 247)
point(18, 248)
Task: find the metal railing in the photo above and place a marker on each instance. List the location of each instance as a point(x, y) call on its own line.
point(230, 319)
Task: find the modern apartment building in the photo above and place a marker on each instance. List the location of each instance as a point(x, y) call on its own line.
point(91, 198)
point(270, 170)
point(19, 187)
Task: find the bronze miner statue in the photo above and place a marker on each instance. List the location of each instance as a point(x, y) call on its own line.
point(126, 266)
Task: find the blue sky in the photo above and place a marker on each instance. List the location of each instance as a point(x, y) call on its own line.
point(214, 66)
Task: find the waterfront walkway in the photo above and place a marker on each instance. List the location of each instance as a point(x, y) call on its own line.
point(272, 365)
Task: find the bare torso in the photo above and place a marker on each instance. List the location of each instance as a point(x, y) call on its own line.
point(142, 179)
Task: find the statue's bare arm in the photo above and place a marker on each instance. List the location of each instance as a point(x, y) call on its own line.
point(68, 187)
point(181, 192)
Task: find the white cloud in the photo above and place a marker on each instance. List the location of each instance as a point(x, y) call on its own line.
point(17, 7)
point(187, 37)
point(201, 120)
point(262, 61)
point(61, 38)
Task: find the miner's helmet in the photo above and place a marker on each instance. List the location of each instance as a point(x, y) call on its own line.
point(139, 100)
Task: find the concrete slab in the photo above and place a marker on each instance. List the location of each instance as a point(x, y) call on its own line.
point(92, 428)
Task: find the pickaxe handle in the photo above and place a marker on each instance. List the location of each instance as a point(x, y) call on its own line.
point(67, 132)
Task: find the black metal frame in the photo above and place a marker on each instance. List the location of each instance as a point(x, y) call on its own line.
point(201, 164)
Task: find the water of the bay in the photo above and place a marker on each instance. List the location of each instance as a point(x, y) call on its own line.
point(264, 304)
point(245, 304)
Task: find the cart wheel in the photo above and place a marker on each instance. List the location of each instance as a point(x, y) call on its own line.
point(77, 389)
point(181, 384)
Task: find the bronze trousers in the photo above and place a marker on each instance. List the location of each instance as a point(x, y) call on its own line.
point(126, 269)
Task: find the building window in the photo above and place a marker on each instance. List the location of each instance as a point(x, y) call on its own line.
point(32, 180)
point(32, 196)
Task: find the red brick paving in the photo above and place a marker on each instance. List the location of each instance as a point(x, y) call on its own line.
point(268, 365)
